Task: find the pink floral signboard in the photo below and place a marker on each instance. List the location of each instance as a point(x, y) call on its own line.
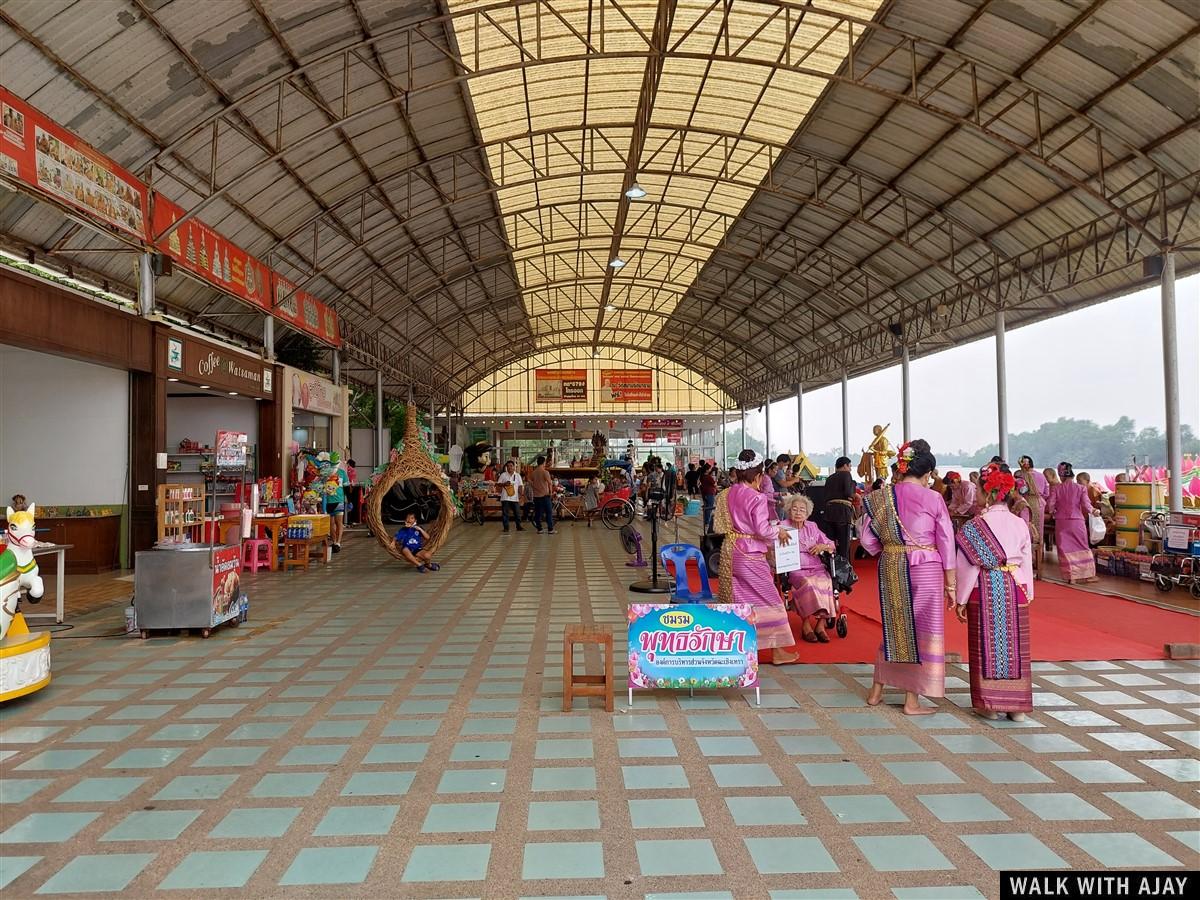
point(692, 645)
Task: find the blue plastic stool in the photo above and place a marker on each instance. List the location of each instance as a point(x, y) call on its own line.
point(678, 556)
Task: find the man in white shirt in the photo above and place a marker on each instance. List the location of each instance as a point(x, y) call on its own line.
point(510, 483)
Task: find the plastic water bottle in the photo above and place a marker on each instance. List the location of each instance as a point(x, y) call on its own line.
point(130, 619)
point(243, 609)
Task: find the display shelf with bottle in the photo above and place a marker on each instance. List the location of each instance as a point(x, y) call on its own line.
point(199, 465)
point(180, 512)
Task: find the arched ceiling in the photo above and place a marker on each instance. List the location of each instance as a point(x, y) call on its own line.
point(452, 175)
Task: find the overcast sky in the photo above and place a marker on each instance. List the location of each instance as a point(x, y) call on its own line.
point(1098, 363)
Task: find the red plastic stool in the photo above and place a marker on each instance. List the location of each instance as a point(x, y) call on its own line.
point(256, 553)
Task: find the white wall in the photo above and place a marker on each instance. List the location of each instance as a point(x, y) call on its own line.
point(201, 417)
point(64, 430)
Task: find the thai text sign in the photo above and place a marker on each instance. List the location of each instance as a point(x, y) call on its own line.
point(692, 645)
point(45, 156)
point(304, 312)
point(209, 256)
point(626, 385)
point(315, 394)
point(226, 584)
point(560, 385)
point(662, 423)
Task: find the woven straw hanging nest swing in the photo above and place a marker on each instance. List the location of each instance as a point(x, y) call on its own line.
point(412, 462)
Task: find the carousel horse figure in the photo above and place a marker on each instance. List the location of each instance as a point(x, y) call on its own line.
point(21, 543)
point(10, 590)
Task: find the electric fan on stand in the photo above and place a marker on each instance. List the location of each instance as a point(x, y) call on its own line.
point(656, 507)
point(631, 542)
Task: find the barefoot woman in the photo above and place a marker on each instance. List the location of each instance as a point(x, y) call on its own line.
point(911, 526)
point(743, 514)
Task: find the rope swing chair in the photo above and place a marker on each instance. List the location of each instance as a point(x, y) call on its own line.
point(412, 462)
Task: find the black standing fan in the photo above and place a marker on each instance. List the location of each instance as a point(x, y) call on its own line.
point(655, 506)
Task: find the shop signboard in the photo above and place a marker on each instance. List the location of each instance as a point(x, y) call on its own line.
point(304, 312)
point(315, 394)
point(674, 437)
point(560, 385)
point(187, 359)
point(626, 385)
point(692, 645)
point(209, 256)
point(662, 423)
point(226, 584)
point(42, 155)
point(649, 437)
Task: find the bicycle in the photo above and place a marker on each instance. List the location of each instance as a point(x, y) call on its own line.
point(616, 513)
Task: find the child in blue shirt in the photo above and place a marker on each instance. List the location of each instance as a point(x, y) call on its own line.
point(411, 541)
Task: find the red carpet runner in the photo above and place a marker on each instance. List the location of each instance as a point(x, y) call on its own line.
point(1065, 624)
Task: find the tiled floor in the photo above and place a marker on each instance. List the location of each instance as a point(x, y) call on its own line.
point(375, 732)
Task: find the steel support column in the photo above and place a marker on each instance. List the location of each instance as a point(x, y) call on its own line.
point(269, 336)
point(767, 441)
point(743, 428)
point(337, 367)
point(845, 416)
point(905, 395)
point(145, 284)
point(799, 417)
point(1170, 343)
point(721, 444)
point(1001, 387)
point(381, 449)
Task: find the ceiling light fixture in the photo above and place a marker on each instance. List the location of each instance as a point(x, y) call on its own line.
point(610, 308)
point(204, 387)
point(172, 379)
point(616, 262)
point(635, 192)
point(233, 393)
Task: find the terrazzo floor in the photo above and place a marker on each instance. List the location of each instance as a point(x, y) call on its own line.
point(374, 732)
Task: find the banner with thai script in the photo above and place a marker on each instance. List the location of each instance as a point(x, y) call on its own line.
point(692, 645)
point(674, 437)
point(662, 423)
point(226, 584)
point(315, 394)
point(560, 385)
point(626, 385)
point(45, 156)
point(209, 256)
point(304, 312)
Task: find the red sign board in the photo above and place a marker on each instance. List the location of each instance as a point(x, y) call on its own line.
point(207, 255)
point(662, 423)
point(674, 437)
point(304, 312)
point(45, 156)
point(649, 437)
point(626, 385)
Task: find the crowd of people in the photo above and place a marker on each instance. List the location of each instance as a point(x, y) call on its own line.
point(969, 547)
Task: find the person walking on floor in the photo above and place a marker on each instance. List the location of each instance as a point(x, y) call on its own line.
point(541, 485)
point(910, 526)
point(510, 483)
point(708, 495)
point(1070, 507)
point(839, 504)
point(995, 587)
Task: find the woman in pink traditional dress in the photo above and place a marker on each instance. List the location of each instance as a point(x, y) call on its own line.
point(1070, 507)
point(812, 588)
point(743, 515)
point(911, 526)
point(995, 588)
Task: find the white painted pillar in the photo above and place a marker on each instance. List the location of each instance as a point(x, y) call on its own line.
point(1001, 387)
point(743, 428)
point(799, 417)
point(845, 416)
point(1170, 343)
point(337, 366)
point(905, 395)
point(767, 442)
point(145, 284)
point(719, 453)
point(381, 448)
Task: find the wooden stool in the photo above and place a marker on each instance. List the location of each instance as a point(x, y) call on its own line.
point(295, 553)
point(587, 685)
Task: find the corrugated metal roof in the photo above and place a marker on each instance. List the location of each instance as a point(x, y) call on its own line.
point(815, 172)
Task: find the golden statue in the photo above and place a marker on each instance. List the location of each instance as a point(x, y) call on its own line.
point(876, 456)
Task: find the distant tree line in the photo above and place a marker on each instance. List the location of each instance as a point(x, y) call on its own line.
point(1080, 441)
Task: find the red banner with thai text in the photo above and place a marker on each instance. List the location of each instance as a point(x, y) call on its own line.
point(209, 256)
point(626, 385)
point(304, 312)
point(47, 157)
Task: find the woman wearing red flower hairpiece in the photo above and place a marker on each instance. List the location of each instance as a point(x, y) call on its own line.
point(994, 589)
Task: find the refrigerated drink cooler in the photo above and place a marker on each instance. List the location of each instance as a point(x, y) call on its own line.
point(193, 586)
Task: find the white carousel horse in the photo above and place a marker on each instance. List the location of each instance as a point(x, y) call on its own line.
point(21, 542)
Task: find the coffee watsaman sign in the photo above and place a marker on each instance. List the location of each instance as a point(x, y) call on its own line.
point(200, 363)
